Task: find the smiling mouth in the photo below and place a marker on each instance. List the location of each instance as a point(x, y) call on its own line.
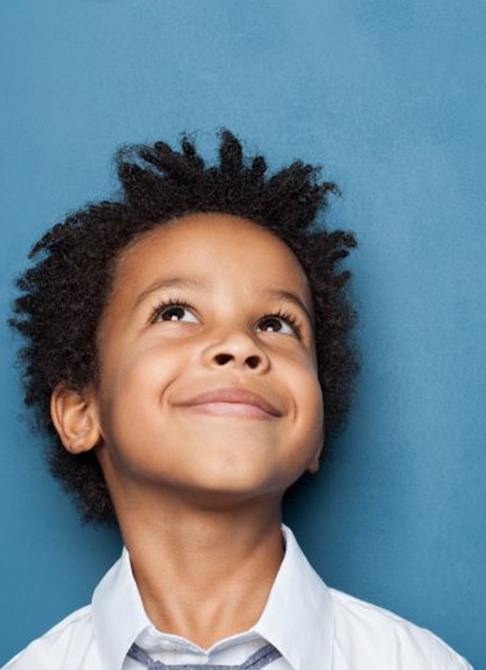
point(230, 409)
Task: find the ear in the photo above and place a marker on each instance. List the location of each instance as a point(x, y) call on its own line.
point(314, 465)
point(75, 418)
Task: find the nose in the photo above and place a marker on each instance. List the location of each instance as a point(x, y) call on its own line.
point(237, 349)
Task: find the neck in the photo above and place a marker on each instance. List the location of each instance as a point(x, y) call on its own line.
point(203, 573)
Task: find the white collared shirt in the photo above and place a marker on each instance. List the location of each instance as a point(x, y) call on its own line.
point(313, 626)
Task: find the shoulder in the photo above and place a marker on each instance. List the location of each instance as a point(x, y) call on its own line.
point(367, 635)
point(50, 650)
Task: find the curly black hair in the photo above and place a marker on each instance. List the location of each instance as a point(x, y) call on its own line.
point(65, 294)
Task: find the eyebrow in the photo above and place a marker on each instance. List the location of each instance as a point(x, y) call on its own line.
point(188, 282)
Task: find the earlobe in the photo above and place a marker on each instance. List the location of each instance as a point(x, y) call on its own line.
point(75, 418)
point(314, 466)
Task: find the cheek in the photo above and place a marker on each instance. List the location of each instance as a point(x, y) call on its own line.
point(143, 375)
point(133, 396)
point(313, 405)
point(307, 391)
point(307, 426)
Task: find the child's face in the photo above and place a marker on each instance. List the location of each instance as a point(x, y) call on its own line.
point(223, 339)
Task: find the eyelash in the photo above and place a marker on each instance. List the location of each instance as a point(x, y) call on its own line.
point(170, 302)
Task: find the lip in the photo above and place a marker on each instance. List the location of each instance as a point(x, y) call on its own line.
point(232, 394)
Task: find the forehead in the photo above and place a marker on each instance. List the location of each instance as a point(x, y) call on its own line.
point(211, 245)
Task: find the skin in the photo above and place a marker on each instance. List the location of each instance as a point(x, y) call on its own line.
point(198, 496)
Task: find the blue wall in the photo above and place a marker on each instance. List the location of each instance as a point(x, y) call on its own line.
point(390, 97)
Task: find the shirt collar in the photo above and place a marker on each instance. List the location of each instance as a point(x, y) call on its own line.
point(297, 618)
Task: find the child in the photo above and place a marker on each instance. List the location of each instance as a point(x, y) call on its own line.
point(189, 349)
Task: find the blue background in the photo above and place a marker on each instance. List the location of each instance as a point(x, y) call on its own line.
point(390, 98)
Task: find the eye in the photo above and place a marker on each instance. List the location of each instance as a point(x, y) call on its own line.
point(170, 308)
point(281, 315)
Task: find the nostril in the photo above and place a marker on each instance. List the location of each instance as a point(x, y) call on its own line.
point(253, 361)
point(222, 358)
